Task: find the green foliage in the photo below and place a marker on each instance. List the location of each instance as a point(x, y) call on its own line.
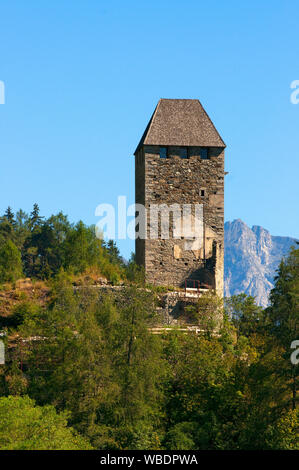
point(207, 312)
point(245, 315)
point(45, 246)
point(282, 316)
point(283, 313)
point(23, 312)
point(180, 436)
point(97, 359)
point(24, 426)
point(35, 220)
point(89, 358)
point(9, 215)
point(134, 272)
point(136, 358)
point(113, 253)
point(126, 388)
point(10, 262)
point(284, 435)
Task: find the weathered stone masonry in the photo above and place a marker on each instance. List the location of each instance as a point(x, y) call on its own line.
point(177, 125)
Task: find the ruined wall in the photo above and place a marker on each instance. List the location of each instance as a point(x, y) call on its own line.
point(183, 181)
point(140, 199)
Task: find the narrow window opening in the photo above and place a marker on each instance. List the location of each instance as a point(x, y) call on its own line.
point(204, 154)
point(202, 192)
point(184, 152)
point(163, 152)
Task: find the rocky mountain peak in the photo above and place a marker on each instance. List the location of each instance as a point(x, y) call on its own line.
point(251, 257)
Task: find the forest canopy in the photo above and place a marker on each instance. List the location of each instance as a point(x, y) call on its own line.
point(85, 369)
point(35, 247)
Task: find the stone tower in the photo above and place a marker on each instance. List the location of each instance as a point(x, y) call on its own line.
point(179, 162)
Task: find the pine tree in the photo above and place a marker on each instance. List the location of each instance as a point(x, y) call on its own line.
point(139, 369)
point(113, 251)
point(22, 229)
point(9, 215)
point(10, 262)
point(25, 426)
point(283, 313)
point(35, 218)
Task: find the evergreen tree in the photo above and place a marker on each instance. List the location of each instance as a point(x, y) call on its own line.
point(7, 226)
point(22, 229)
point(25, 426)
point(245, 314)
point(283, 314)
point(9, 215)
point(139, 370)
point(74, 356)
point(35, 218)
point(134, 272)
point(10, 262)
point(113, 252)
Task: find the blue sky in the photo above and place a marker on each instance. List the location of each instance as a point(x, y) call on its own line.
point(83, 77)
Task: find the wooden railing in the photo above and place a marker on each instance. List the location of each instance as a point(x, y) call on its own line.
point(195, 284)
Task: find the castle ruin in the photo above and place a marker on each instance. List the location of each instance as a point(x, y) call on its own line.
point(180, 161)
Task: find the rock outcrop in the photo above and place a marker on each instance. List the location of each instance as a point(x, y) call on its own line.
point(251, 257)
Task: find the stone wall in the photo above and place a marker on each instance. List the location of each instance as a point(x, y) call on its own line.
point(140, 199)
point(182, 181)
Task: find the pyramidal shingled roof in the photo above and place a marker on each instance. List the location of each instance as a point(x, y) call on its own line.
point(180, 123)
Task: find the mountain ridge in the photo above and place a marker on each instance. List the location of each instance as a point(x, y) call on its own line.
point(251, 258)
